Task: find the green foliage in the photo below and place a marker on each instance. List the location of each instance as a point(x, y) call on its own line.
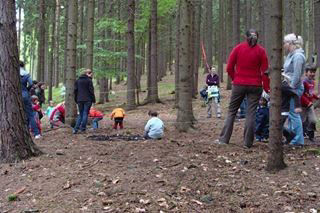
point(12, 197)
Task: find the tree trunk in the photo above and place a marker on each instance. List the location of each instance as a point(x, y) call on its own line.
point(222, 39)
point(230, 33)
point(90, 34)
point(153, 89)
point(275, 159)
point(197, 59)
point(19, 26)
point(288, 15)
point(80, 33)
point(57, 44)
point(208, 32)
point(185, 112)
point(41, 41)
point(71, 110)
point(15, 141)
point(51, 55)
point(249, 14)
point(131, 84)
point(66, 20)
point(177, 62)
point(317, 29)
point(236, 22)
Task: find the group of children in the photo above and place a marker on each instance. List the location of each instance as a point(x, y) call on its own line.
point(305, 105)
point(154, 128)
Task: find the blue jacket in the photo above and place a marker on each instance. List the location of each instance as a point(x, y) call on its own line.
point(294, 67)
point(262, 120)
point(26, 82)
point(154, 128)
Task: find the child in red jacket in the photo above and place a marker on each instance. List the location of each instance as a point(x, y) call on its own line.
point(308, 114)
point(96, 116)
point(37, 111)
point(57, 116)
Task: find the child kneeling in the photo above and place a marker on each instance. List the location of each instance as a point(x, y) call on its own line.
point(154, 127)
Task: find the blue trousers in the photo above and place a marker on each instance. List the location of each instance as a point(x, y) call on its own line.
point(95, 123)
point(84, 108)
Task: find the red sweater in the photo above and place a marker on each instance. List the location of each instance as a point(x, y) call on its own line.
point(247, 66)
point(308, 95)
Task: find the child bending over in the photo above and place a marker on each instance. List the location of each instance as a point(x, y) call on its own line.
point(96, 116)
point(118, 115)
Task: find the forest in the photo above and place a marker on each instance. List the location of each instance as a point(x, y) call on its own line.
point(147, 57)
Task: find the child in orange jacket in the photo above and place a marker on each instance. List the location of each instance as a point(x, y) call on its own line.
point(118, 116)
point(96, 116)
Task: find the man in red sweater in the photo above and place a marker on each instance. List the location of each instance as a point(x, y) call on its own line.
point(246, 67)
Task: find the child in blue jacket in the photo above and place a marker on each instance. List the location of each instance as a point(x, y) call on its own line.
point(262, 121)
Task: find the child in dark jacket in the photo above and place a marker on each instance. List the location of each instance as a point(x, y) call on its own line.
point(262, 121)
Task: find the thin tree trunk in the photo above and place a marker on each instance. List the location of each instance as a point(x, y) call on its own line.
point(57, 44)
point(275, 159)
point(71, 110)
point(177, 62)
point(80, 33)
point(317, 30)
point(41, 41)
point(208, 32)
point(90, 34)
point(51, 55)
point(131, 82)
point(310, 31)
point(222, 37)
point(197, 46)
point(230, 33)
point(15, 141)
point(153, 89)
point(66, 18)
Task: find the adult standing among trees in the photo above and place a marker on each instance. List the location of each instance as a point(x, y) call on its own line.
point(294, 68)
point(84, 97)
point(26, 84)
point(246, 67)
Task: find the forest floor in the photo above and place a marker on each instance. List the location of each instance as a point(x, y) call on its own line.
point(183, 172)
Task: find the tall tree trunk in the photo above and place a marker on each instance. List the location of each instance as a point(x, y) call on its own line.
point(310, 31)
point(90, 34)
point(80, 32)
point(153, 89)
point(230, 33)
point(71, 110)
point(19, 26)
point(185, 113)
point(131, 82)
point(102, 80)
point(222, 39)
point(275, 159)
point(51, 55)
point(57, 44)
point(41, 41)
point(66, 19)
point(15, 141)
point(317, 29)
point(236, 22)
point(177, 56)
point(208, 31)
point(288, 15)
point(197, 22)
point(249, 14)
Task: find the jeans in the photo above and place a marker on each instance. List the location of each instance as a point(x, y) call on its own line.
point(239, 92)
point(295, 122)
point(243, 108)
point(95, 123)
point(31, 122)
point(217, 107)
point(84, 108)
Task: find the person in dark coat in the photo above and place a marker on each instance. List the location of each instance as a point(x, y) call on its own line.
point(262, 121)
point(84, 97)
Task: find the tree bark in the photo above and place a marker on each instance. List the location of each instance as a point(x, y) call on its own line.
point(317, 29)
point(71, 110)
point(197, 46)
point(131, 82)
point(41, 41)
point(90, 34)
point(57, 44)
point(275, 158)
point(80, 32)
point(208, 31)
point(153, 89)
point(177, 62)
point(230, 33)
point(51, 55)
point(185, 112)
point(15, 141)
point(222, 39)
point(66, 20)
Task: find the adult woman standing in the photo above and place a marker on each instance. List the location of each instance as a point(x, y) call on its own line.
point(294, 68)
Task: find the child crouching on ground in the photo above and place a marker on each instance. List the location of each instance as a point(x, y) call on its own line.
point(57, 118)
point(50, 108)
point(262, 120)
point(96, 116)
point(118, 115)
point(154, 127)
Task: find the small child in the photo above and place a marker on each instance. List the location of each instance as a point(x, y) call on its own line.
point(154, 127)
point(37, 111)
point(262, 121)
point(118, 115)
point(213, 94)
point(50, 108)
point(96, 116)
point(57, 116)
